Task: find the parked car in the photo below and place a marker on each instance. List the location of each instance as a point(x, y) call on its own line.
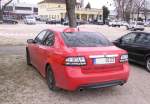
point(124, 23)
point(97, 22)
point(115, 23)
point(53, 21)
point(72, 59)
point(66, 23)
point(81, 22)
point(136, 26)
point(100, 22)
point(137, 45)
point(29, 20)
point(1, 22)
point(9, 21)
point(147, 24)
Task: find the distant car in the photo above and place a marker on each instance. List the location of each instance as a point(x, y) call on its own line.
point(81, 22)
point(29, 20)
point(136, 26)
point(73, 59)
point(124, 23)
point(53, 21)
point(1, 22)
point(137, 44)
point(10, 21)
point(100, 22)
point(115, 23)
point(66, 23)
point(147, 24)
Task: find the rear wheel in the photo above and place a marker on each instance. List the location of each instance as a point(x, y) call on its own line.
point(148, 64)
point(51, 79)
point(28, 57)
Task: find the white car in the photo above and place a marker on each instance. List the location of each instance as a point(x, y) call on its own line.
point(124, 23)
point(115, 23)
point(147, 24)
point(136, 26)
point(29, 20)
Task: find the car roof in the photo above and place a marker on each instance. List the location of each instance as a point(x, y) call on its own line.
point(141, 32)
point(70, 29)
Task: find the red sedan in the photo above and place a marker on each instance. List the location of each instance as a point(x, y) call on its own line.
point(72, 59)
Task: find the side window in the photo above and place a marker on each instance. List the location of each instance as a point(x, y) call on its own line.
point(50, 39)
point(140, 38)
point(40, 37)
point(143, 39)
point(129, 38)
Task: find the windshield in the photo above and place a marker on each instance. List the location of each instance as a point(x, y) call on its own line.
point(140, 23)
point(85, 39)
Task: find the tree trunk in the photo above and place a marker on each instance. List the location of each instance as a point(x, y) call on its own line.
point(70, 8)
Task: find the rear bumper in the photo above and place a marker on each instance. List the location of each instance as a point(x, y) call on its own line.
point(72, 78)
point(102, 85)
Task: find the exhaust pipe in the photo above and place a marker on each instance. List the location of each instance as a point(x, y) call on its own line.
point(81, 89)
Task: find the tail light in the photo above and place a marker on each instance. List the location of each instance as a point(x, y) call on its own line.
point(75, 61)
point(124, 58)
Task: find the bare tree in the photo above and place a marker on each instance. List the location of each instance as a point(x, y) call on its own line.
point(139, 5)
point(145, 9)
point(127, 8)
point(124, 9)
point(2, 8)
point(70, 8)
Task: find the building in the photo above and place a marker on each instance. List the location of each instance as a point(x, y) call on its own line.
point(19, 10)
point(56, 9)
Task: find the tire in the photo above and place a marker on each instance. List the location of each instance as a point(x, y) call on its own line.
point(28, 57)
point(51, 79)
point(148, 64)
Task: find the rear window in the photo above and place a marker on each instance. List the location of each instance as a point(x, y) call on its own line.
point(85, 39)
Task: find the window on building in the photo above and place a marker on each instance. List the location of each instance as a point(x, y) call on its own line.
point(9, 8)
point(23, 8)
point(35, 9)
point(59, 6)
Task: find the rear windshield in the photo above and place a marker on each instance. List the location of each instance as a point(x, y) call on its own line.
point(85, 39)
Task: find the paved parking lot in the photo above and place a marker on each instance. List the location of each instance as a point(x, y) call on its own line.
point(21, 84)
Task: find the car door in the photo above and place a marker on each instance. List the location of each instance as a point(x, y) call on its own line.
point(127, 43)
point(141, 47)
point(45, 49)
point(35, 46)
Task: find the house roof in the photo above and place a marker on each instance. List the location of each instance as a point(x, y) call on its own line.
point(52, 1)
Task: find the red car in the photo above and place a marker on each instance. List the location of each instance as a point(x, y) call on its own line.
point(72, 59)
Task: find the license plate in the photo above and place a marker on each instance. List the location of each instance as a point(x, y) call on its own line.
point(107, 60)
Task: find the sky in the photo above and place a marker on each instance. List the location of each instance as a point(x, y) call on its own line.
point(94, 3)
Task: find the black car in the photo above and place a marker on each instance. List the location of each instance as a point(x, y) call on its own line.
point(10, 21)
point(138, 46)
point(53, 22)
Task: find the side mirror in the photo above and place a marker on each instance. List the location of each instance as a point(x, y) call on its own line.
point(30, 41)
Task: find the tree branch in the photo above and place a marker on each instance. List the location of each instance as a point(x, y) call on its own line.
point(5, 5)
